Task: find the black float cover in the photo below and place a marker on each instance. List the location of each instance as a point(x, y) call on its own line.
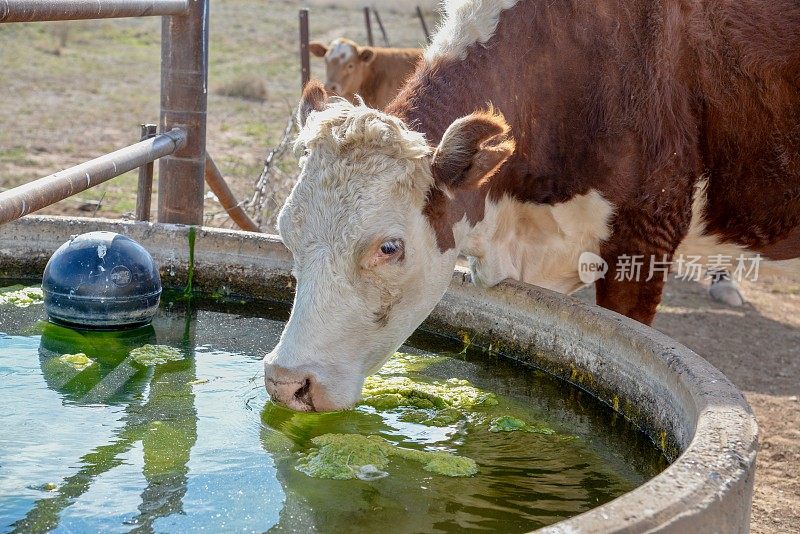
point(101, 280)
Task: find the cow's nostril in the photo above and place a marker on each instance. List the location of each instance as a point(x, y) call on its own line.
point(303, 393)
point(303, 390)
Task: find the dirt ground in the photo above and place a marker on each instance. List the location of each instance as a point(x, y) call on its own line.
point(72, 91)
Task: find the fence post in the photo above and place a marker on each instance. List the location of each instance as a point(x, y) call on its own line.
point(424, 25)
point(380, 25)
point(368, 24)
point(305, 60)
point(184, 92)
point(145, 191)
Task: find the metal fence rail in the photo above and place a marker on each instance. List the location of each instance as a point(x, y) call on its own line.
point(184, 91)
point(43, 192)
point(43, 10)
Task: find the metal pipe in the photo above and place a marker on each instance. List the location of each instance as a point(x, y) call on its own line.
point(184, 93)
point(41, 10)
point(424, 25)
point(220, 188)
point(305, 59)
point(368, 24)
point(144, 192)
point(43, 192)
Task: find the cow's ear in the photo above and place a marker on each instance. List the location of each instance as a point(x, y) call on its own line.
point(317, 48)
point(472, 150)
point(314, 99)
point(366, 55)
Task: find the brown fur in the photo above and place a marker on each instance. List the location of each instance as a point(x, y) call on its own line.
point(637, 99)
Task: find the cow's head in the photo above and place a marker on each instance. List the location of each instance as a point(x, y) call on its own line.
point(368, 260)
point(346, 65)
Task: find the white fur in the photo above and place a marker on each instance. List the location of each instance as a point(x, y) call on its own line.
point(465, 23)
point(537, 243)
point(341, 50)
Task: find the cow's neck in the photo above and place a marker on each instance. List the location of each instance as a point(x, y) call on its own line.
point(435, 96)
point(508, 229)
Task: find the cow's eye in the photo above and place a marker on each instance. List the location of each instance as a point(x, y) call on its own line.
point(392, 247)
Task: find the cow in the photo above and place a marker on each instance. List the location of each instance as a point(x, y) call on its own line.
point(532, 133)
point(375, 74)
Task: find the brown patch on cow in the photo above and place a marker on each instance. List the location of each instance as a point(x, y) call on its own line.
point(313, 99)
point(635, 100)
point(317, 49)
point(443, 213)
point(388, 71)
point(472, 150)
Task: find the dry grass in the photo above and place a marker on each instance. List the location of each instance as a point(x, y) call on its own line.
point(60, 110)
point(246, 87)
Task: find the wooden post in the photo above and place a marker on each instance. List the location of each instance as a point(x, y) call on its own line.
point(424, 26)
point(305, 59)
point(380, 25)
point(184, 90)
point(144, 193)
point(368, 24)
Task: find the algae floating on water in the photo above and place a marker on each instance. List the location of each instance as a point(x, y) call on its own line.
point(348, 456)
point(21, 296)
point(148, 355)
point(507, 423)
point(79, 361)
point(395, 391)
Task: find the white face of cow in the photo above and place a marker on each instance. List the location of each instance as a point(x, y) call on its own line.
point(366, 259)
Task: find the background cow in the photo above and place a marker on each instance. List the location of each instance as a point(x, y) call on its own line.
point(376, 74)
point(605, 119)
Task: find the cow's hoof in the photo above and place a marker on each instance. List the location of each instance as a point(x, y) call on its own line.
point(725, 292)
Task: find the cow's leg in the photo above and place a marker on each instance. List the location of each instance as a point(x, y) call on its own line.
point(647, 238)
point(636, 299)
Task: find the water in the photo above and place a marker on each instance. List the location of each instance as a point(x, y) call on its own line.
point(196, 445)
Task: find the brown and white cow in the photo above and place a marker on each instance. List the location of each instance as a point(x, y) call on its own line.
point(375, 74)
point(618, 111)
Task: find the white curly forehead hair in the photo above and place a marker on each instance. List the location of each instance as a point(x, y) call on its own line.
point(354, 159)
point(363, 139)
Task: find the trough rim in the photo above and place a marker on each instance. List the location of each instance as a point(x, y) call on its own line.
point(707, 487)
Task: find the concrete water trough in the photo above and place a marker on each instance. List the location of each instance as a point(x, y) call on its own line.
point(687, 407)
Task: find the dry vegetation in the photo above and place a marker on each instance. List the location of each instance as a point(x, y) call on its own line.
point(75, 90)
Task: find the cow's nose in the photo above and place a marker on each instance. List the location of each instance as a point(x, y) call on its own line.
point(333, 88)
point(289, 387)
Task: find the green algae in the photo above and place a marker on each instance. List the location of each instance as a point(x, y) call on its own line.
point(187, 292)
point(348, 456)
point(149, 355)
point(79, 361)
point(21, 296)
point(402, 363)
point(507, 423)
point(437, 403)
point(400, 391)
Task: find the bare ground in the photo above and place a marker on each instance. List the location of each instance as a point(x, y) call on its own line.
point(72, 91)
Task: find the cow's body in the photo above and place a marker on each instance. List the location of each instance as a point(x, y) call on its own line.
point(631, 103)
point(603, 119)
point(375, 74)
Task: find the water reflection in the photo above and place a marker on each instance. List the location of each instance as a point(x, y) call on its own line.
point(159, 413)
point(178, 453)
